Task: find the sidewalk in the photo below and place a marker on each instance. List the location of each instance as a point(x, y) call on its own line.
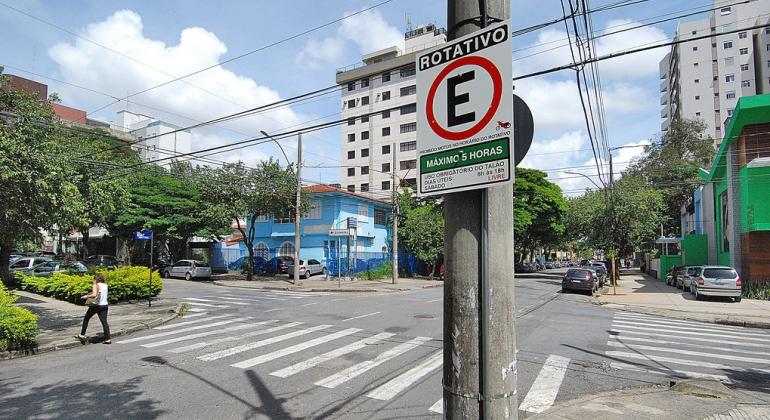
point(639, 292)
point(687, 399)
point(60, 321)
point(319, 284)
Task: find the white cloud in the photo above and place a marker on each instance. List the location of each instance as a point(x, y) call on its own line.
point(368, 30)
point(86, 64)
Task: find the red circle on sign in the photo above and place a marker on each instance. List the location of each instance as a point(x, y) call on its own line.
point(497, 88)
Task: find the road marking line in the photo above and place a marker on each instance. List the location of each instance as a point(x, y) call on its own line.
point(172, 326)
point(685, 362)
point(335, 300)
point(307, 364)
point(670, 372)
point(543, 392)
point(254, 299)
point(199, 335)
point(293, 349)
point(688, 352)
point(360, 316)
point(200, 312)
point(311, 304)
point(250, 346)
point(207, 305)
point(393, 387)
point(193, 328)
point(431, 301)
point(698, 329)
point(617, 331)
point(360, 368)
point(438, 407)
point(233, 338)
point(696, 323)
point(198, 300)
point(195, 300)
point(683, 331)
point(678, 343)
point(271, 310)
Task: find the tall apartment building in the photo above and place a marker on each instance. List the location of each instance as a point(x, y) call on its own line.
point(155, 137)
point(383, 85)
point(703, 79)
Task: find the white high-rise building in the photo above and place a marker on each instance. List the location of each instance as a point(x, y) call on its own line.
point(155, 139)
point(385, 85)
point(703, 79)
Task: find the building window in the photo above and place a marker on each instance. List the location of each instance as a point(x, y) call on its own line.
point(365, 82)
point(351, 137)
point(727, 44)
point(364, 170)
point(351, 86)
point(729, 78)
point(364, 100)
point(768, 47)
point(408, 90)
point(697, 80)
point(768, 64)
point(725, 11)
point(408, 109)
point(365, 119)
point(314, 211)
point(351, 188)
point(742, 35)
point(409, 182)
point(286, 249)
point(365, 187)
point(385, 131)
point(386, 95)
point(744, 67)
point(697, 97)
point(695, 48)
point(364, 135)
point(363, 213)
point(407, 71)
point(730, 94)
point(386, 149)
point(351, 171)
point(745, 83)
point(694, 32)
point(351, 103)
point(408, 128)
point(407, 164)
point(385, 114)
point(386, 185)
point(729, 61)
point(385, 77)
point(744, 51)
point(351, 121)
point(386, 167)
point(697, 114)
point(364, 153)
point(410, 145)
point(380, 216)
point(767, 30)
point(713, 45)
point(695, 64)
point(351, 154)
point(729, 112)
point(284, 219)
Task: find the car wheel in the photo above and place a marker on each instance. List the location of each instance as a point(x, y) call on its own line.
point(324, 271)
point(307, 274)
point(166, 275)
point(187, 276)
point(738, 299)
point(698, 296)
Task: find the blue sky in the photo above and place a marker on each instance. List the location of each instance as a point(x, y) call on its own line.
point(176, 37)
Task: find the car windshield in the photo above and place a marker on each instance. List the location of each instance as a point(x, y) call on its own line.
point(720, 273)
point(201, 264)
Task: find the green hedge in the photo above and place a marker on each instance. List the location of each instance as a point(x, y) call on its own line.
point(124, 283)
point(18, 326)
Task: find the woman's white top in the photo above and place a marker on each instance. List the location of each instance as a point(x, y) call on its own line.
point(101, 295)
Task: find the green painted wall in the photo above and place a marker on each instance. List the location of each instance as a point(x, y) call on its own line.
point(723, 255)
point(666, 262)
point(755, 198)
point(695, 250)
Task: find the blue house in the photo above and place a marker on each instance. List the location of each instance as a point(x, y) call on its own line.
point(331, 208)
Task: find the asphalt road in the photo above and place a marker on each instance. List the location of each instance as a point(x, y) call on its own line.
point(242, 353)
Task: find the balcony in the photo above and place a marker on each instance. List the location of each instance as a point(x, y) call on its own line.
point(664, 100)
point(664, 125)
point(664, 85)
point(664, 112)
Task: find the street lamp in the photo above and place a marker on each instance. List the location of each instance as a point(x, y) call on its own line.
point(585, 176)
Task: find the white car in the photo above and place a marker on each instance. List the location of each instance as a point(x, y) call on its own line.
point(307, 268)
point(716, 280)
point(188, 269)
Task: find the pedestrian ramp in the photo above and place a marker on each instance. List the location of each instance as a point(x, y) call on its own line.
point(687, 349)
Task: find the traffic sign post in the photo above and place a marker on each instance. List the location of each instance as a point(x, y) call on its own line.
point(465, 113)
point(146, 235)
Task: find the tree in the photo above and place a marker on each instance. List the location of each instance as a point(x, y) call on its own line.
point(672, 165)
point(36, 178)
point(421, 228)
point(236, 191)
point(538, 207)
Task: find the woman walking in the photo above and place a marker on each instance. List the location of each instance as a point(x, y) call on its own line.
point(98, 307)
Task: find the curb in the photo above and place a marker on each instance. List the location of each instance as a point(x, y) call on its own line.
point(674, 314)
point(326, 289)
point(16, 354)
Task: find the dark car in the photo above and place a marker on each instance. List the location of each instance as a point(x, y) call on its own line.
point(601, 271)
point(279, 265)
point(107, 261)
point(673, 275)
point(580, 279)
point(522, 268)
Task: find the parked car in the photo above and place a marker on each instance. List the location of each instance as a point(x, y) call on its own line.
point(716, 280)
point(549, 265)
point(279, 265)
point(522, 268)
point(188, 269)
point(580, 279)
point(684, 280)
point(601, 272)
point(307, 268)
point(673, 274)
point(26, 263)
point(107, 261)
point(48, 268)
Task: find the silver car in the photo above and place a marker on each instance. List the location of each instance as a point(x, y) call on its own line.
point(716, 280)
point(188, 269)
point(308, 268)
point(48, 268)
point(27, 263)
point(689, 274)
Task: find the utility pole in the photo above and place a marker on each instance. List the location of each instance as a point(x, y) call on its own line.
point(394, 247)
point(297, 281)
point(480, 369)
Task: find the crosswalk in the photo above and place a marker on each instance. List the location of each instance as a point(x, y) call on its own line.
point(227, 300)
point(686, 349)
point(326, 356)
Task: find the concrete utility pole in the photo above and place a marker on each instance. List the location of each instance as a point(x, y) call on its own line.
point(394, 247)
point(297, 212)
point(479, 337)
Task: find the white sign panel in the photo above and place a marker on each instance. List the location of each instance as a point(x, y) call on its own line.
point(465, 113)
point(340, 232)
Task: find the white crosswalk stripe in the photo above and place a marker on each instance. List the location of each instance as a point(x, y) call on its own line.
point(682, 373)
point(198, 312)
point(659, 320)
point(207, 305)
point(197, 301)
point(254, 361)
point(179, 324)
point(251, 346)
point(543, 392)
point(403, 381)
point(201, 334)
point(193, 328)
point(233, 338)
point(704, 329)
point(438, 407)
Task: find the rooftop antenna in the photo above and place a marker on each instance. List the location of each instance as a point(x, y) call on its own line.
point(408, 21)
